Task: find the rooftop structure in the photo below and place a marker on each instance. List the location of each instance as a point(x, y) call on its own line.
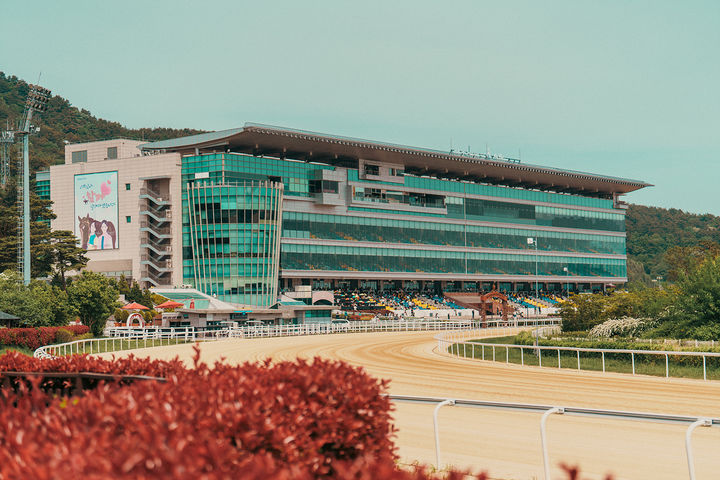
point(266, 140)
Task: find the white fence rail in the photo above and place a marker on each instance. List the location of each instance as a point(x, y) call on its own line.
point(547, 410)
point(458, 343)
point(135, 337)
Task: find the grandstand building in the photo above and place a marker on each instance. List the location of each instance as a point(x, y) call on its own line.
point(241, 213)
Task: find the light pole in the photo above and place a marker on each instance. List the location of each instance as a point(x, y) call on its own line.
point(533, 241)
point(567, 280)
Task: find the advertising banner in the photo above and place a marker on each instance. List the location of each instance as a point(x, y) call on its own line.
point(96, 210)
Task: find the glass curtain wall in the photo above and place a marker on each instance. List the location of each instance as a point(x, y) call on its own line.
point(234, 233)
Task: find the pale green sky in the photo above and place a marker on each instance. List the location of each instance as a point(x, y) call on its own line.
point(625, 88)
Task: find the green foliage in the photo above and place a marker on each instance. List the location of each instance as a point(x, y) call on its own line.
point(582, 312)
point(652, 232)
point(63, 122)
point(696, 313)
point(64, 336)
point(60, 252)
point(37, 305)
point(133, 292)
point(121, 315)
point(95, 299)
point(39, 231)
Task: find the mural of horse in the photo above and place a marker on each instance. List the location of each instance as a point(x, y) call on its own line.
point(96, 234)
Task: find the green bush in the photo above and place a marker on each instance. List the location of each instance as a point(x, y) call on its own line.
point(64, 336)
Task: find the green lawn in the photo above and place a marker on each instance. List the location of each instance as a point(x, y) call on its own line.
point(683, 367)
point(118, 344)
point(22, 350)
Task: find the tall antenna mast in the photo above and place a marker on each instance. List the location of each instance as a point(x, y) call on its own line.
point(36, 102)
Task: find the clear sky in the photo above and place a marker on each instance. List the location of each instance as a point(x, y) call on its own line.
point(624, 88)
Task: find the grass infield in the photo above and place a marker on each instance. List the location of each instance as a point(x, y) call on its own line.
point(645, 364)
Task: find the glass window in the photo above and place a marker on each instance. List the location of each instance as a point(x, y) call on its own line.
point(127, 186)
point(79, 156)
point(127, 219)
point(112, 153)
point(372, 170)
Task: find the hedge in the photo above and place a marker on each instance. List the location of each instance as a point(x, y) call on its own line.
point(299, 420)
point(33, 338)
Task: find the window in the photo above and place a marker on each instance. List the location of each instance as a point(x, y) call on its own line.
point(79, 156)
point(127, 219)
point(323, 186)
point(111, 153)
point(127, 186)
point(372, 170)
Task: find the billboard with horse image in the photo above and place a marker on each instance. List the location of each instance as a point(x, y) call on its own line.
point(96, 210)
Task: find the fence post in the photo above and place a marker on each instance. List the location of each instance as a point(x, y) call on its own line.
point(603, 358)
point(507, 354)
point(437, 431)
point(493, 353)
point(539, 357)
point(522, 356)
point(558, 358)
point(701, 422)
point(578, 357)
point(667, 366)
point(543, 438)
point(704, 369)
point(632, 355)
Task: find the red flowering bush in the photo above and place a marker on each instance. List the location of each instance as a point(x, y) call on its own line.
point(290, 420)
point(33, 338)
point(211, 422)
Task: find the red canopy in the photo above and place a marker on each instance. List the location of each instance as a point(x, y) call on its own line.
point(135, 306)
point(170, 304)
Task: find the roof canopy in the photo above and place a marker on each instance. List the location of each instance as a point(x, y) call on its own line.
point(135, 306)
point(281, 142)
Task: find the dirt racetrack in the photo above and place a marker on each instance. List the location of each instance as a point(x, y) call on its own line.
point(507, 444)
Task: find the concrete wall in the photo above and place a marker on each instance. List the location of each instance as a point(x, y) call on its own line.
point(97, 151)
point(133, 171)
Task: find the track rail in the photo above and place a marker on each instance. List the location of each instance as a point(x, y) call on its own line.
point(548, 410)
point(158, 336)
point(458, 343)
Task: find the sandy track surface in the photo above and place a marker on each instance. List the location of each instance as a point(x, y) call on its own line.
point(507, 444)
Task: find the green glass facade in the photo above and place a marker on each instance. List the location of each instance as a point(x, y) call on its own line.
point(386, 229)
point(231, 237)
point(378, 259)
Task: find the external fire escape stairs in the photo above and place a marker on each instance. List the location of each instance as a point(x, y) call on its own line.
point(155, 224)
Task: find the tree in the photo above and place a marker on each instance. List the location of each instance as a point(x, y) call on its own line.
point(39, 230)
point(95, 298)
point(59, 253)
point(37, 305)
point(684, 260)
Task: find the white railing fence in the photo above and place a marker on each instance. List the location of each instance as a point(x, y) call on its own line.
point(135, 337)
point(547, 410)
point(458, 343)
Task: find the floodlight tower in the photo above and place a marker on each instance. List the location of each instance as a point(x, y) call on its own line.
point(7, 137)
point(36, 102)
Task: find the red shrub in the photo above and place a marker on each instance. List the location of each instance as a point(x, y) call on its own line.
point(219, 421)
point(33, 338)
point(286, 421)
